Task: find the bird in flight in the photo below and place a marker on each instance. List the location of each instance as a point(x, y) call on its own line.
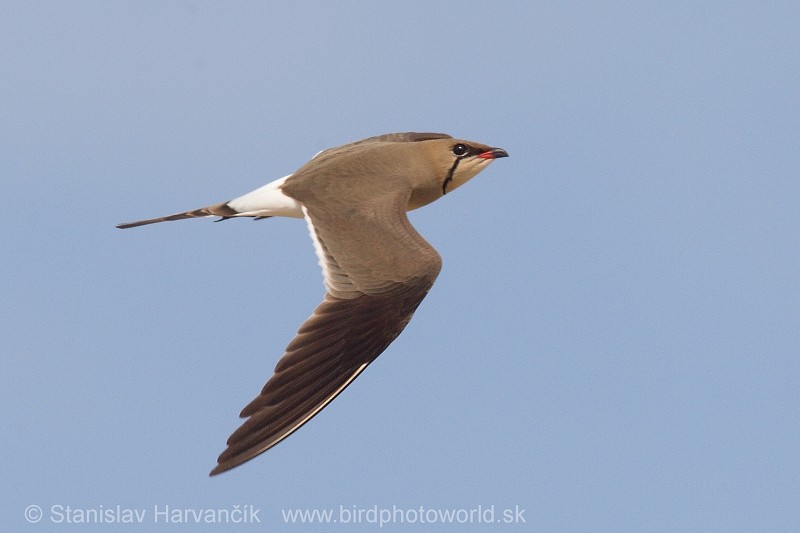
point(376, 267)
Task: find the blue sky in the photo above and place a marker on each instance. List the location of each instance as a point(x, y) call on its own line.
point(612, 344)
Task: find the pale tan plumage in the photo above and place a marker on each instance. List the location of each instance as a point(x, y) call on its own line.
point(377, 268)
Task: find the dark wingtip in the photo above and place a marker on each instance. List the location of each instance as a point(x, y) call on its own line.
point(228, 464)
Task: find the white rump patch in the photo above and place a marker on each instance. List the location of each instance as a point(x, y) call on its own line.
point(267, 201)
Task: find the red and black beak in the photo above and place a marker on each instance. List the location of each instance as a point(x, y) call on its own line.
point(494, 153)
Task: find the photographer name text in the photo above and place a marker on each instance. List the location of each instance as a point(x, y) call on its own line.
point(157, 514)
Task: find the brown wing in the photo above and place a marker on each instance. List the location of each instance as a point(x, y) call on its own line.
point(330, 350)
point(377, 270)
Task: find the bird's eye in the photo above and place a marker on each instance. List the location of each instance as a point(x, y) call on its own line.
point(460, 149)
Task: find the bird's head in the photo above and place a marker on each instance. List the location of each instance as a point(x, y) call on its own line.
point(452, 162)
